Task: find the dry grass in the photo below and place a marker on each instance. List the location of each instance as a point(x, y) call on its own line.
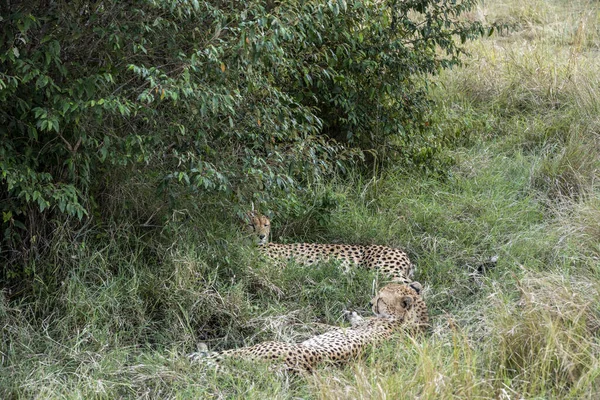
point(547, 341)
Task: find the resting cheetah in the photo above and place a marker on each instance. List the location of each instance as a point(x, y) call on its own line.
point(396, 305)
point(391, 262)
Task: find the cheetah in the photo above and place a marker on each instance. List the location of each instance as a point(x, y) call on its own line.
point(395, 306)
point(391, 262)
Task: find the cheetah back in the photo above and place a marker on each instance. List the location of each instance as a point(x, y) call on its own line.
point(391, 262)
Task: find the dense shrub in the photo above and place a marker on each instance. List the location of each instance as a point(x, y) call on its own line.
point(197, 97)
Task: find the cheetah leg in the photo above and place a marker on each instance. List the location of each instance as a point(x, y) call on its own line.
point(353, 318)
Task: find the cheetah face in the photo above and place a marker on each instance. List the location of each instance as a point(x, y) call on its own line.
point(396, 301)
point(260, 226)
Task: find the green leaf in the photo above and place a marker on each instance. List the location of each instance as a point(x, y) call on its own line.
point(19, 224)
point(7, 216)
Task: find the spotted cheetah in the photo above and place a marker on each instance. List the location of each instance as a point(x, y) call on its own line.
point(391, 262)
point(395, 306)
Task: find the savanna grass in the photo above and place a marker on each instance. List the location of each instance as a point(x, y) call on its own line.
point(521, 117)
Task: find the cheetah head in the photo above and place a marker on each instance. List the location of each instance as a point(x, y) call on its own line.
point(401, 302)
point(260, 226)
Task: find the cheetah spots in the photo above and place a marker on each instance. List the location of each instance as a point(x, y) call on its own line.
point(395, 264)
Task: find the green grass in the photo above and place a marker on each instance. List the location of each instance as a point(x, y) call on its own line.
point(117, 318)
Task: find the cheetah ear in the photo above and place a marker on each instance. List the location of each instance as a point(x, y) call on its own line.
point(247, 219)
point(417, 287)
point(407, 302)
point(376, 302)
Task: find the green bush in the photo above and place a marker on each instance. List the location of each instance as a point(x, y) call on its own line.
point(247, 99)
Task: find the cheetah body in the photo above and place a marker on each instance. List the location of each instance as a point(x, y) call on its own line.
point(395, 306)
point(391, 262)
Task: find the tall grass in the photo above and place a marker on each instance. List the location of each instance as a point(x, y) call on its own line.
point(117, 318)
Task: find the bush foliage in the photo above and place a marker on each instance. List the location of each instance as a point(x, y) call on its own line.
point(237, 98)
